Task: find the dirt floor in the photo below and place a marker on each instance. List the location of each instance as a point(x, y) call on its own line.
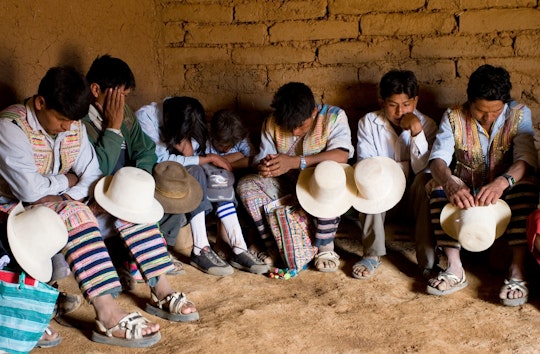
point(332, 312)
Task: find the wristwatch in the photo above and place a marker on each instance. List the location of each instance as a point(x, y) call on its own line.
point(510, 179)
point(303, 163)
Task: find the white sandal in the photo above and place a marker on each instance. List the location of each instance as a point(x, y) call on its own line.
point(170, 308)
point(331, 258)
point(133, 325)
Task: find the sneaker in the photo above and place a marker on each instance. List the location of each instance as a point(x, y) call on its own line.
point(248, 262)
point(209, 262)
point(270, 257)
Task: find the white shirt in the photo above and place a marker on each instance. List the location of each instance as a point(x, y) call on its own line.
point(19, 170)
point(150, 118)
point(376, 137)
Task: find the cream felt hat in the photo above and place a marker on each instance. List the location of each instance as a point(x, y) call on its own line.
point(380, 182)
point(35, 236)
point(327, 190)
point(177, 191)
point(476, 228)
point(129, 195)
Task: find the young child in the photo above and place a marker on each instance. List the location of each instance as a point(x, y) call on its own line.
point(178, 128)
point(229, 138)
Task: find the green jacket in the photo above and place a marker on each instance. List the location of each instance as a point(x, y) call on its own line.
point(141, 150)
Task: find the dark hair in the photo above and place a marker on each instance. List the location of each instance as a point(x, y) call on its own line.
point(396, 82)
point(226, 128)
point(293, 103)
point(109, 72)
point(65, 90)
point(184, 118)
point(489, 83)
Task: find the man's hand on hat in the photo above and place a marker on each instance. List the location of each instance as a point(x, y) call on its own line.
point(458, 193)
point(491, 192)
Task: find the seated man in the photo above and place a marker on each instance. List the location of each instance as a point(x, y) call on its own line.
point(118, 138)
point(298, 134)
point(398, 131)
point(488, 141)
point(47, 159)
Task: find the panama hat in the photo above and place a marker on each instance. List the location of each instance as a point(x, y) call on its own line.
point(327, 190)
point(177, 191)
point(380, 182)
point(129, 195)
point(476, 228)
point(35, 236)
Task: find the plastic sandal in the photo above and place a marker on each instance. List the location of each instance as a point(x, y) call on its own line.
point(331, 258)
point(369, 264)
point(454, 284)
point(48, 343)
point(170, 308)
point(133, 324)
point(512, 285)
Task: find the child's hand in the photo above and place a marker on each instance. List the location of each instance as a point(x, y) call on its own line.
point(220, 162)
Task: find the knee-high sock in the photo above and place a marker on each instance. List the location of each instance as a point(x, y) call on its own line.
point(227, 214)
point(198, 230)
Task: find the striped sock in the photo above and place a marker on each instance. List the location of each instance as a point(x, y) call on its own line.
point(227, 214)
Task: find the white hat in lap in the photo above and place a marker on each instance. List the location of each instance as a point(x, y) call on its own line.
point(476, 228)
point(35, 236)
point(327, 190)
point(129, 195)
point(380, 182)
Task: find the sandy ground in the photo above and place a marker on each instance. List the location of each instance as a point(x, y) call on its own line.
point(331, 312)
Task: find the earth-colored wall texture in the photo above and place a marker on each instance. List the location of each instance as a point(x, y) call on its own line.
point(236, 53)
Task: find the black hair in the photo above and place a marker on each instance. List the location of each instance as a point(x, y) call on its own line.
point(109, 72)
point(489, 83)
point(65, 90)
point(184, 118)
point(396, 82)
point(226, 128)
point(293, 103)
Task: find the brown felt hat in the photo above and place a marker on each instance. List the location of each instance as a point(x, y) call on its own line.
point(176, 190)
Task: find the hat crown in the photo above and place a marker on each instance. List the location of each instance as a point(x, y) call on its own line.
point(171, 180)
point(328, 181)
point(131, 187)
point(372, 181)
point(35, 236)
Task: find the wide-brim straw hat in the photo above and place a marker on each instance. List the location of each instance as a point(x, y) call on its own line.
point(177, 191)
point(380, 182)
point(326, 190)
point(35, 236)
point(129, 195)
point(476, 228)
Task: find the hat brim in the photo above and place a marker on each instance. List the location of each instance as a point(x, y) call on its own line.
point(450, 217)
point(153, 215)
point(394, 195)
point(325, 209)
point(220, 194)
point(185, 204)
point(36, 264)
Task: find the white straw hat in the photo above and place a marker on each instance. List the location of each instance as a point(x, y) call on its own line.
point(327, 190)
point(129, 195)
point(380, 182)
point(476, 228)
point(35, 236)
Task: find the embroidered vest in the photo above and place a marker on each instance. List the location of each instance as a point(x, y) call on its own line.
point(472, 166)
point(314, 141)
point(43, 152)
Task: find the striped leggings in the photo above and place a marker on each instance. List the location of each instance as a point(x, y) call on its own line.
point(89, 259)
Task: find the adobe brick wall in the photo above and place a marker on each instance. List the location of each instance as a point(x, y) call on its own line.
point(236, 53)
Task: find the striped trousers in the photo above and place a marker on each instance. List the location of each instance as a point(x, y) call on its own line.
point(87, 255)
point(522, 199)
